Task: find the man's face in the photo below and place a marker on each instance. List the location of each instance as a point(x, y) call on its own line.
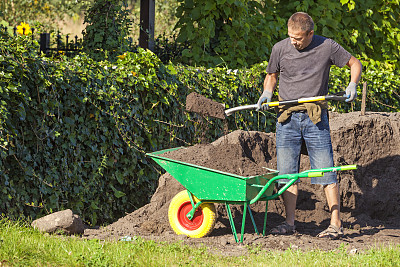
point(300, 39)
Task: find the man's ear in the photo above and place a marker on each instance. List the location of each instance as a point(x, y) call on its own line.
point(311, 33)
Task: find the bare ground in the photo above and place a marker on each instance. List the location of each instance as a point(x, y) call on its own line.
point(370, 195)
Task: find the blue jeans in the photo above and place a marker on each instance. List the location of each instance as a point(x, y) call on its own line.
point(289, 136)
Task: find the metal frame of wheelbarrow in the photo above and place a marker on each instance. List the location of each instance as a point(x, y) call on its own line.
point(220, 187)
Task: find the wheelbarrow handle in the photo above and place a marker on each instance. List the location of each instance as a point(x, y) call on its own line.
point(332, 169)
point(293, 178)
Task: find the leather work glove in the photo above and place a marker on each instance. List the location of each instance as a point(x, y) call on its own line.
point(351, 92)
point(265, 96)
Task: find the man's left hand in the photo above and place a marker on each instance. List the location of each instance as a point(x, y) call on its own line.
point(265, 97)
point(351, 92)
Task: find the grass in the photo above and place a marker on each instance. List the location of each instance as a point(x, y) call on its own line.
point(21, 245)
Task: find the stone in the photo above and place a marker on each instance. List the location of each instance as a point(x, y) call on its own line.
point(64, 221)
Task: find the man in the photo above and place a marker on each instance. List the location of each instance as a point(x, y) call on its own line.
point(302, 62)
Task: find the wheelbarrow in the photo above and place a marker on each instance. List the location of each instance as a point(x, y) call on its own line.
point(192, 211)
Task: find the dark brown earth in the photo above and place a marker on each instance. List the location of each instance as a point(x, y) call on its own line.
point(204, 106)
point(370, 195)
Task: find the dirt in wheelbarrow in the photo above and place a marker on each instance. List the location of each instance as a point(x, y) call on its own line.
point(370, 195)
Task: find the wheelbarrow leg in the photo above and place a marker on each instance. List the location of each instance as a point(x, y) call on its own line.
point(246, 207)
point(252, 220)
point(228, 210)
point(265, 218)
point(243, 222)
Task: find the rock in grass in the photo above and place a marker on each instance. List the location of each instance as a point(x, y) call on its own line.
point(62, 221)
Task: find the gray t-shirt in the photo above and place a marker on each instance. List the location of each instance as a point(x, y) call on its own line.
point(305, 73)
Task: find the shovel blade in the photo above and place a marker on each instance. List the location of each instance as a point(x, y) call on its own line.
point(204, 106)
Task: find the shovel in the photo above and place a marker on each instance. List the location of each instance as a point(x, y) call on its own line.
point(338, 96)
point(207, 107)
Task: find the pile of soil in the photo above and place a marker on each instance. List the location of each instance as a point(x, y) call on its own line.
point(241, 153)
point(370, 196)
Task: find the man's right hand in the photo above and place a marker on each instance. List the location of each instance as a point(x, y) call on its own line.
point(265, 97)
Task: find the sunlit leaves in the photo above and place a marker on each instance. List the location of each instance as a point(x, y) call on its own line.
point(225, 32)
point(244, 31)
point(107, 29)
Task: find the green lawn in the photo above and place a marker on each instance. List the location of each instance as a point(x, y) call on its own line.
point(20, 245)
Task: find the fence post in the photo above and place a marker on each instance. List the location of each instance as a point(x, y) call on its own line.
point(58, 42)
point(364, 98)
point(147, 14)
point(44, 43)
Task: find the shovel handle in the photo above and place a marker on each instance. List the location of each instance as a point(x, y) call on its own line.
point(338, 97)
point(246, 107)
point(306, 100)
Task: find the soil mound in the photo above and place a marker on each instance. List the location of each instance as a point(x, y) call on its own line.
point(240, 152)
point(369, 195)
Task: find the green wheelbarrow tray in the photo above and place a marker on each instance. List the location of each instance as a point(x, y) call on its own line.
point(214, 186)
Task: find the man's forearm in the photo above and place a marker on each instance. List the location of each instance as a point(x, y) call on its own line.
point(355, 70)
point(355, 73)
point(270, 81)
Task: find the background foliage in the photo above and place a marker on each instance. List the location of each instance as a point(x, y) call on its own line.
point(107, 29)
point(43, 15)
point(165, 18)
point(242, 33)
point(235, 33)
point(367, 28)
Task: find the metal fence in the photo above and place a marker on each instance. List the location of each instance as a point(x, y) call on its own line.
point(69, 47)
point(62, 45)
point(166, 49)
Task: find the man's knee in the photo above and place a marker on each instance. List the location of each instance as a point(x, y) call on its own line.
point(332, 189)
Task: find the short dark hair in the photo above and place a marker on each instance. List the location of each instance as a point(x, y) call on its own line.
point(301, 21)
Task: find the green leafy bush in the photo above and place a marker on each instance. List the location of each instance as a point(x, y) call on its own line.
point(74, 133)
point(234, 33)
point(108, 25)
point(242, 33)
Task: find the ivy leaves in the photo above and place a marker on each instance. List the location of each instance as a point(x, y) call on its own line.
point(242, 33)
point(108, 26)
point(226, 32)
